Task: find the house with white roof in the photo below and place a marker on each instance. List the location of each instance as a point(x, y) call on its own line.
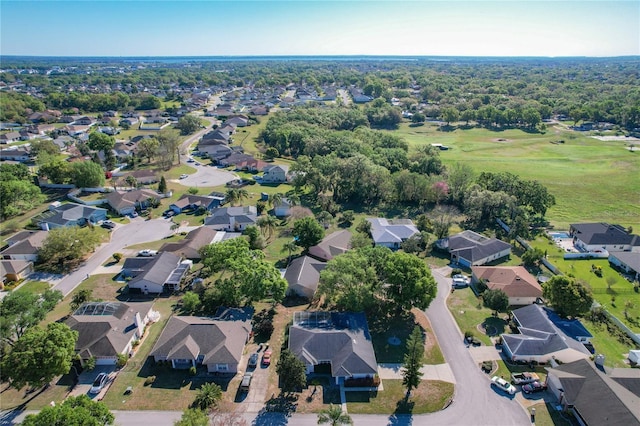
point(391, 233)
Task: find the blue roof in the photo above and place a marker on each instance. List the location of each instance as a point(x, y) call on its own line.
point(572, 328)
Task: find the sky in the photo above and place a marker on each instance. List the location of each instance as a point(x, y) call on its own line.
point(355, 27)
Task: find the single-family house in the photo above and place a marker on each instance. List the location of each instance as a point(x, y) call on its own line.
point(469, 248)
point(628, 261)
point(108, 329)
point(15, 270)
point(519, 285)
point(594, 237)
point(143, 177)
point(596, 397)
point(336, 341)
point(238, 121)
point(125, 203)
point(188, 341)
point(215, 137)
point(24, 246)
point(232, 218)
point(303, 276)
point(331, 245)
point(283, 208)
point(163, 272)
point(194, 202)
point(129, 121)
point(9, 137)
point(20, 155)
point(189, 247)
point(71, 214)
point(275, 173)
point(85, 121)
point(391, 233)
point(545, 336)
point(216, 152)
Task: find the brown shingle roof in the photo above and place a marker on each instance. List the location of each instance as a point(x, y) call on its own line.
point(515, 281)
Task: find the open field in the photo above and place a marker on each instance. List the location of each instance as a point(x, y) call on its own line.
point(592, 180)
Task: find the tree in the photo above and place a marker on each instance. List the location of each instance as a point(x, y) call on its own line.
point(44, 146)
point(101, 142)
point(442, 217)
point(22, 310)
point(450, 115)
point(117, 257)
point(334, 416)
point(292, 372)
point(256, 242)
point(73, 411)
point(267, 225)
point(162, 186)
point(568, 297)
point(208, 396)
point(418, 117)
point(289, 247)
point(57, 171)
point(496, 300)
point(18, 196)
point(325, 218)
point(63, 248)
point(235, 196)
point(87, 174)
point(193, 417)
point(347, 218)
point(40, 355)
point(407, 281)
point(532, 257)
point(79, 298)
point(148, 147)
point(271, 153)
point(168, 145)
point(190, 302)
point(188, 124)
point(413, 359)
point(307, 232)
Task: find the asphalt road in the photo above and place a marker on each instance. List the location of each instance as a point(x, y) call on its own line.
point(136, 232)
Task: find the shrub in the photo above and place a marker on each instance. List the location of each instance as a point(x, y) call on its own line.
point(456, 271)
point(149, 380)
point(193, 371)
point(468, 334)
point(122, 360)
point(90, 364)
point(117, 257)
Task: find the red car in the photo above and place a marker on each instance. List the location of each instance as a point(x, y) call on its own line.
point(266, 357)
point(534, 387)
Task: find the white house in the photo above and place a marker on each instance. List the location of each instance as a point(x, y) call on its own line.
point(594, 237)
point(391, 233)
point(275, 173)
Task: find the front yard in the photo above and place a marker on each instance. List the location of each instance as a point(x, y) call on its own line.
point(470, 315)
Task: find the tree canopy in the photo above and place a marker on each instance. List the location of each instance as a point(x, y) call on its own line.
point(568, 297)
point(362, 278)
point(65, 247)
point(496, 300)
point(413, 359)
point(73, 411)
point(292, 372)
point(39, 355)
point(18, 194)
point(188, 124)
point(307, 232)
point(87, 174)
point(22, 310)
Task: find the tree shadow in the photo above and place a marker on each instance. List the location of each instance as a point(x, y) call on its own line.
point(403, 414)
point(266, 418)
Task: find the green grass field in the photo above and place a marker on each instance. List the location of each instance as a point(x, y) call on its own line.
point(592, 180)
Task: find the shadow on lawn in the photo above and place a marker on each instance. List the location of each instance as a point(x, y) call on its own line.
point(169, 378)
point(402, 414)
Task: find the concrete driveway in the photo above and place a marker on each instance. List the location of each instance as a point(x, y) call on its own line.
point(208, 176)
point(253, 401)
point(85, 380)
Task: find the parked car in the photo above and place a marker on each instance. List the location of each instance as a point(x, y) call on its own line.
point(503, 385)
point(98, 383)
point(191, 160)
point(134, 214)
point(524, 378)
point(253, 360)
point(183, 176)
point(534, 387)
point(168, 213)
point(246, 382)
point(108, 224)
point(460, 281)
point(147, 253)
point(266, 357)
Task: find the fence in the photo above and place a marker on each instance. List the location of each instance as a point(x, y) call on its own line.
point(588, 255)
point(633, 336)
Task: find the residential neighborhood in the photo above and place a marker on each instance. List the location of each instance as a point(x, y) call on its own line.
point(258, 250)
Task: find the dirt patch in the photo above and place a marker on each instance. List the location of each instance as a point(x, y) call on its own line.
point(431, 347)
point(501, 140)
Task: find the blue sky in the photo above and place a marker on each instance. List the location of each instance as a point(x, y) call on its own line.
point(356, 27)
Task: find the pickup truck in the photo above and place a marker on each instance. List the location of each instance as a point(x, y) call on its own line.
point(524, 378)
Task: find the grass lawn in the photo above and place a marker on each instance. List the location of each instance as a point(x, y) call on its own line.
point(546, 415)
point(574, 171)
point(429, 397)
point(622, 290)
point(155, 245)
point(469, 314)
point(23, 400)
point(176, 171)
point(35, 287)
point(102, 287)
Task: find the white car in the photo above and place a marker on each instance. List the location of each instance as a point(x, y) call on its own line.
point(99, 383)
point(502, 384)
point(147, 253)
point(183, 176)
point(460, 281)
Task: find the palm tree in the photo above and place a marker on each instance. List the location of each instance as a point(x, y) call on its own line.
point(289, 246)
point(267, 224)
point(208, 395)
point(294, 199)
point(276, 199)
point(334, 416)
point(243, 194)
point(232, 196)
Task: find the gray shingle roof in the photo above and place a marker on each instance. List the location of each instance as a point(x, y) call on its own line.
point(473, 247)
point(332, 245)
point(391, 230)
point(598, 398)
point(603, 234)
point(242, 215)
point(72, 212)
point(186, 337)
point(108, 333)
point(342, 339)
point(159, 269)
point(538, 335)
point(304, 272)
point(192, 243)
